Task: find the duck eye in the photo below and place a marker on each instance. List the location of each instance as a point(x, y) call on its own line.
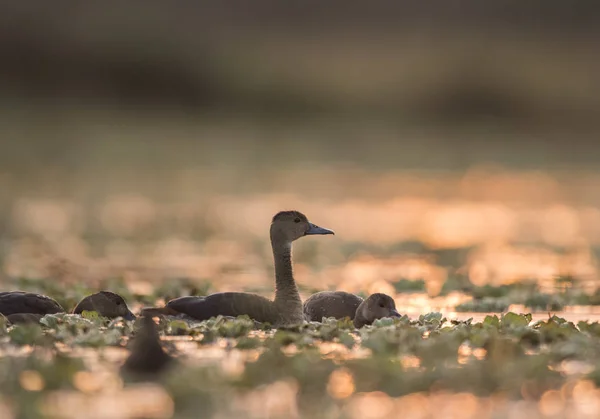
point(296, 220)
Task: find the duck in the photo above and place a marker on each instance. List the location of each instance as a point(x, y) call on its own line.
point(147, 359)
point(15, 302)
point(29, 307)
point(285, 309)
point(105, 303)
point(341, 304)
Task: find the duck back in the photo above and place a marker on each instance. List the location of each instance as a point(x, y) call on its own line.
point(227, 304)
point(337, 304)
point(14, 302)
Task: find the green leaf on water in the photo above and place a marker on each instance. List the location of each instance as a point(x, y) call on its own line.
point(347, 340)
point(386, 321)
point(435, 318)
point(591, 328)
point(284, 337)
point(556, 329)
point(237, 327)
point(26, 334)
point(345, 323)
point(557, 319)
point(492, 321)
point(511, 319)
point(90, 315)
point(50, 321)
point(248, 343)
point(178, 327)
point(96, 338)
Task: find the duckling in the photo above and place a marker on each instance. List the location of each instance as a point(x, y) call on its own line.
point(20, 306)
point(105, 303)
point(147, 357)
point(340, 304)
point(285, 309)
point(377, 306)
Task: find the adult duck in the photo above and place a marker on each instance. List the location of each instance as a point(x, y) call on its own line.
point(18, 302)
point(340, 304)
point(105, 303)
point(285, 309)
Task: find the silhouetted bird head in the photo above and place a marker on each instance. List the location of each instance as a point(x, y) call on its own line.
point(288, 226)
point(377, 306)
point(105, 303)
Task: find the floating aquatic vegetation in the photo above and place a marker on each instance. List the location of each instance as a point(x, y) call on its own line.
point(28, 334)
point(314, 367)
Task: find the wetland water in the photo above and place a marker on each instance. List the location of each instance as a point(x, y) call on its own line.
point(455, 155)
point(419, 369)
point(431, 253)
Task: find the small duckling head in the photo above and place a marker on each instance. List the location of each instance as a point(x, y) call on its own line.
point(378, 306)
point(288, 226)
point(105, 303)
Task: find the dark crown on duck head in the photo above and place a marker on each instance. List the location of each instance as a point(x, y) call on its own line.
point(289, 214)
point(380, 298)
point(295, 225)
point(106, 303)
point(113, 297)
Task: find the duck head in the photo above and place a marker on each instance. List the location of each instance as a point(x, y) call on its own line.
point(105, 303)
point(378, 306)
point(288, 226)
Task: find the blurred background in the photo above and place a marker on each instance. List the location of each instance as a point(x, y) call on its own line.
point(442, 141)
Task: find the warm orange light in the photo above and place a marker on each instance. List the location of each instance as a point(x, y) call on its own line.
point(31, 380)
point(341, 384)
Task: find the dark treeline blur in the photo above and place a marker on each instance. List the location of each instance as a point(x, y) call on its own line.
point(465, 81)
point(164, 135)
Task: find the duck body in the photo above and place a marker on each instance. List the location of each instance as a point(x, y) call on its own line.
point(337, 304)
point(234, 304)
point(105, 303)
point(17, 302)
point(285, 309)
point(341, 304)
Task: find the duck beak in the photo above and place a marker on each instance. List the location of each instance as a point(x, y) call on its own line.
point(314, 229)
point(394, 313)
point(129, 316)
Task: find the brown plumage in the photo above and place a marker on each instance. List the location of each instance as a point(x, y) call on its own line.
point(340, 304)
point(105, 303)
point(285, 309)
point(15, 302)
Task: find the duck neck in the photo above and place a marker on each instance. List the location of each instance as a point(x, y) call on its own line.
point(286, 291)
point(359, 318)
